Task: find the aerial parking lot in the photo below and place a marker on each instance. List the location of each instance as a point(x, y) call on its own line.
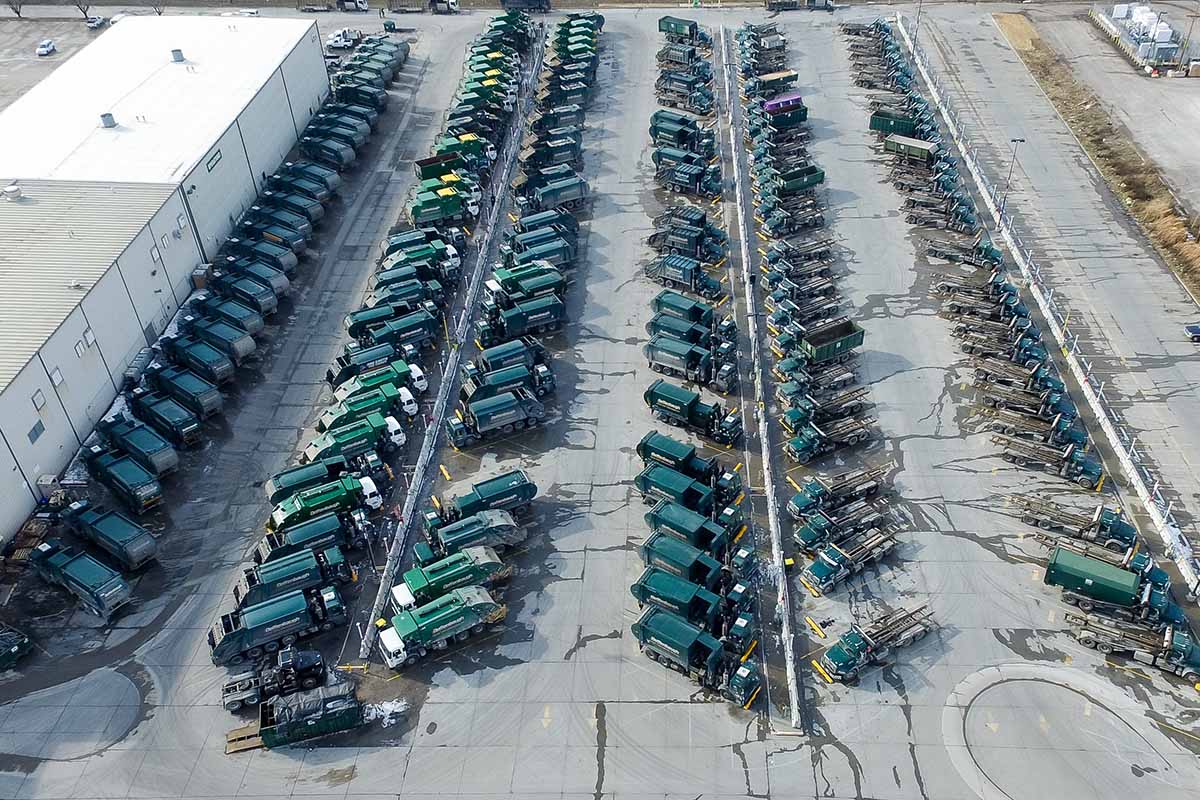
point(870, 569)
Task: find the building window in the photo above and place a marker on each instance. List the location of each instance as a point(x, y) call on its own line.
point(39, 400)
point(165, 243)
point(213, 161)
point(79, 348)
point(155, 256)
point(56, 376)
point(89, 338)
point(36, 432)
point(181, 222)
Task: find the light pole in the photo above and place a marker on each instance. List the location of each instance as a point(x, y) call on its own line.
point(1016, 142)
point(1154, 36)
point(917, 23)
point(1187, 41)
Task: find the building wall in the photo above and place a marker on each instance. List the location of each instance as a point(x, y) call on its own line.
point(77, 372)
point(306, 78)
point(219, 189)
point(18, 496)
point(177, 245)
point(267, 129)
point(41, 438)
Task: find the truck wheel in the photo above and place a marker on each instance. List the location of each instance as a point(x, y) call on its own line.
point(507, 429)
point(238, 659)
point(308, 683)
point(414, 658)
point(656, 367)
point(1104, 647)
point(1085, 482)
point(477, 628)
point(1088, 641)
point(254, 652)
point(326, 625)
point(1191, 677)
point(233, 706)
point(271, 647)
point(1086, 605)
point(441, 644)
point(462, 636)
point(288, 640)
point(1115, 545)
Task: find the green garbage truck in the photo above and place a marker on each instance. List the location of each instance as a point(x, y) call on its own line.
point(681, 272)
point(659, 448)
point(659, 482)
point(99, 588)
point(453, 617)
point(385, 400)
point(675, 643)
point(119, 536)
point(510, 491)
point(331, 529)
point(305, 570)
point(190, 390)
point(375, 432)
point(136, 486)
point(140, 442)
point(684, 409)
point(471, 566)
point(541, 315)
point(179, 425)
point(1095, 585)
point(677, 557)
point(689, 526)
point(492, 528)
point(344, 494)
point(248, 633)
point(503, 414)
point(697, 605)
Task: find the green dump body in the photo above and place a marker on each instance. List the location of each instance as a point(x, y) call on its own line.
point(672, 637)
point(694, 603)
point(472, 566)
point(681, 559)
point(887, 122)
point(682, 523)
point(285, 484)
point(1092, 578)
point(657, 482)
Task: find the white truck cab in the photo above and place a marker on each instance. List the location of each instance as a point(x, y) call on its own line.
point(372, 499)
point(395, 435)
point(402, 599)
point(419, 383)
point(391, 648)
point(408, 402)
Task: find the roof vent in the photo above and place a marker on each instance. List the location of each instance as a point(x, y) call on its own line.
point(12, 192)
point(108, 120)
point(177, 56)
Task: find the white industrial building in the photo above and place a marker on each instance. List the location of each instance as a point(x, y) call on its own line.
point(121, 172)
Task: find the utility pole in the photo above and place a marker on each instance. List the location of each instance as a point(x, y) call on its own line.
point(1187, 40)
point(1011, 165)
point(917, 23)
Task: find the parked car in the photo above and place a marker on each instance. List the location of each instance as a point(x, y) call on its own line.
point(96, 22)
point(1193, 332)
point(46, 47)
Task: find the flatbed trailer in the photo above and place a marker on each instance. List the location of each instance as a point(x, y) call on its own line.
point(871, 644)
point(1171, 650)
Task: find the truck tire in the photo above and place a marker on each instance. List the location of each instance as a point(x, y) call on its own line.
point(1191, 676)
point(412, 659)
point(1085, 482)
point(1104, 647)
point(1115, 545)
point(507, 429)
point(308, 683)
point(254, 653)
point(271, 647)
point(1087, 640)
point(288, 640)
point(238, 659)
point(462, 636)
point(1086, 605)
point(326, 625)
point(477, 628)
point(441, 644)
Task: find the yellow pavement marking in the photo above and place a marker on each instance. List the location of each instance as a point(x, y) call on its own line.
point(817, 629)
point(795, 485)
point(445, 472)
point(811, 590)
point(821, 671)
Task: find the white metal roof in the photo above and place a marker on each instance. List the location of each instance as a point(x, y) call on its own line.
point(168, 114)
point(56, 242)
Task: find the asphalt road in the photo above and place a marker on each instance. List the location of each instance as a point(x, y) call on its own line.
point(559, 703)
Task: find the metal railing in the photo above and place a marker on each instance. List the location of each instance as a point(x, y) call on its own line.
point(1147, 485)
point(462, 329)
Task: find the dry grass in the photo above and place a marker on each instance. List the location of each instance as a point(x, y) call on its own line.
point(1130, 175)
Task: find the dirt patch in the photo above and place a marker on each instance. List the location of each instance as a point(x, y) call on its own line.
point(1130, 174)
